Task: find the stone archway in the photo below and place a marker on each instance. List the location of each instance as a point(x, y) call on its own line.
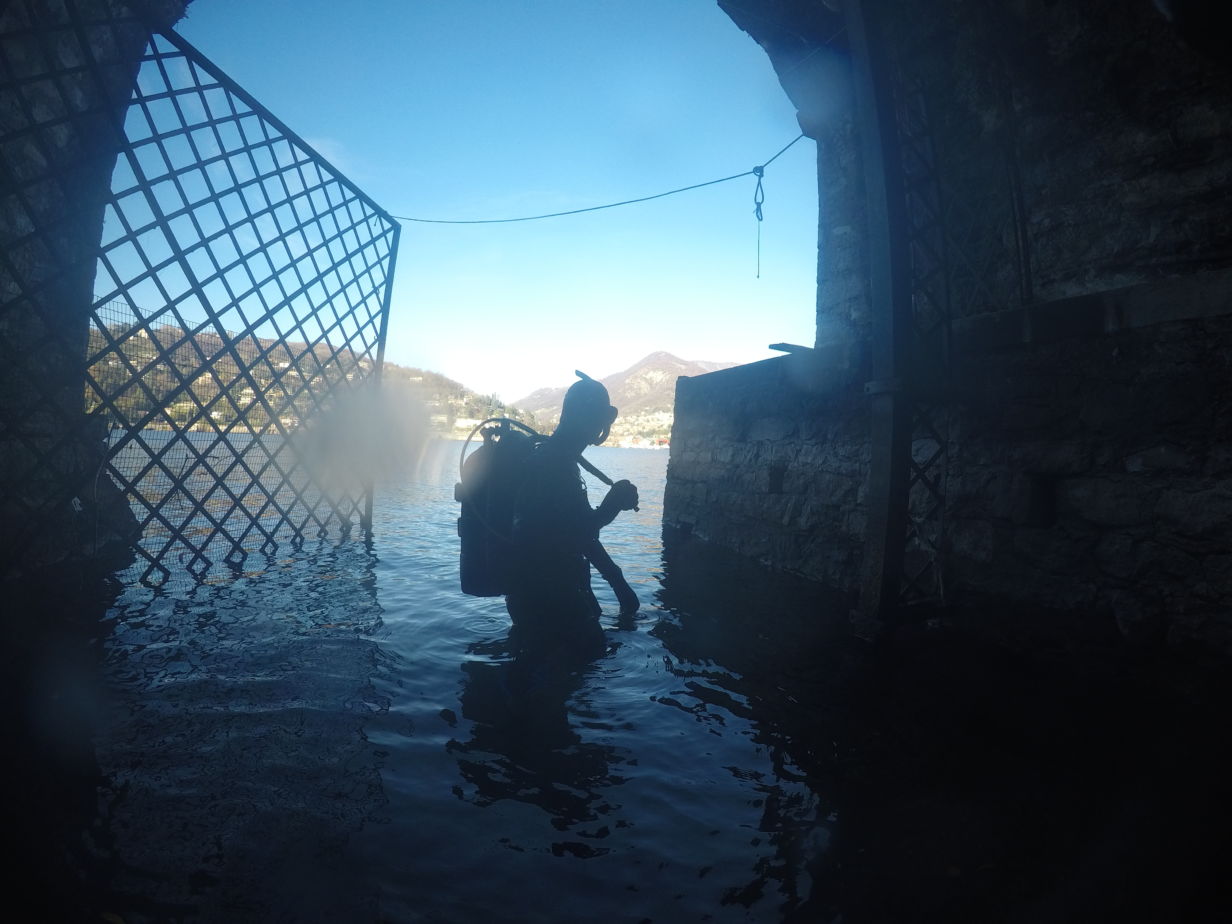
point(1016, 203)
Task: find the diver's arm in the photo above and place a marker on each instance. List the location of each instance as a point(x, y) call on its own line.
point(621, 496)
point(610, 571)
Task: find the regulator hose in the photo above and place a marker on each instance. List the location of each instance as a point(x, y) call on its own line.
point(534, 435)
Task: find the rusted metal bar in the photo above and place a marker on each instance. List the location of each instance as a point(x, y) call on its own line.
point(890, 302)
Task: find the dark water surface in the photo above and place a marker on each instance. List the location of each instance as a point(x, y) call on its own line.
point(339, 735)
point(344, 736)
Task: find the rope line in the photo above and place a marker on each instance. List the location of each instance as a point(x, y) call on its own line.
point(756, 171)
point(759, 198)
point(782, 151)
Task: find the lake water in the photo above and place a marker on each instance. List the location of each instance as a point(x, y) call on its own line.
point(340, 735)
point(337, 734)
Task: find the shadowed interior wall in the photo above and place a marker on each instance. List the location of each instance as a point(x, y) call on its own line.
point(68, 71)
point(1085, 155)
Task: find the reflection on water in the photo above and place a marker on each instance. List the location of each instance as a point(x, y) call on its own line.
point(232, 747)
point(746, 644)
point(522, 746)
point(634, 787)
point(341, 735)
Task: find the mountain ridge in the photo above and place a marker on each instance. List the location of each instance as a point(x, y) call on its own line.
point(645, 393)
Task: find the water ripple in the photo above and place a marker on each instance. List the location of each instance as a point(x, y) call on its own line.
point(353, 698)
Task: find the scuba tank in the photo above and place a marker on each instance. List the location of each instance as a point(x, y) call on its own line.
point(488, 487)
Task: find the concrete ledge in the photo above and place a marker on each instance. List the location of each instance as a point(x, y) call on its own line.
point(828, 368)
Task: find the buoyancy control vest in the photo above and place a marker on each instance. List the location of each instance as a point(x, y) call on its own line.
point(487, 490)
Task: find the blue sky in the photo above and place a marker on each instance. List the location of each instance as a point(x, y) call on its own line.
point(476, 109)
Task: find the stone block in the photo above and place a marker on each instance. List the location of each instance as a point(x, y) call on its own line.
point(854, 522)
point(974, 540)
point(1162, 565)
point(1053, 456)
point(1032, 499)
point(1217, 569)
point(1055, 551)
point(772, 428)
point(1111, 406)
point(1164, 457)
point(831, 487)
point(982, 492)
point(1218, 461)
point(1031, 416)
point(1107, 501)
point(1116, 554)
point(1201, 512)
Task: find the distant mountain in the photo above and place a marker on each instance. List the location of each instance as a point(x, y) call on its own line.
point(645, 393)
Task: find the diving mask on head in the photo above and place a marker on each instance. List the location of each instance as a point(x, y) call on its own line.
point(588, 400)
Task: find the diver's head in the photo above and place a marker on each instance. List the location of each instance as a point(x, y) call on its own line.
point(587, 410)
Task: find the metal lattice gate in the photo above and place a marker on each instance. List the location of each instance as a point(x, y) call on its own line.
point(242, 286)
point(947, 244)
point(963, 239)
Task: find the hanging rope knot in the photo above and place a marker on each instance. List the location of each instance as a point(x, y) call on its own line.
point(759, 194)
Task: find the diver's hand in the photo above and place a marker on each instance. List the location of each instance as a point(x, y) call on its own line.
point(626, 597)
point(622, 496)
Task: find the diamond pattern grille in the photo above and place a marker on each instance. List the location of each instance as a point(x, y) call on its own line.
point(958, 181)
point(64, 68)
point(242, 286)
point(932, 258)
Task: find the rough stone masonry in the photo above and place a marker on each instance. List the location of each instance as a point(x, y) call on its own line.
point(1083, 157)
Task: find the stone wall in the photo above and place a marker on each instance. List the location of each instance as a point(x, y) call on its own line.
point(1088, 148)
point(769, 459)
point(1094, 474)
point(1090, 470)
point(67, 76)
point(1125, 134)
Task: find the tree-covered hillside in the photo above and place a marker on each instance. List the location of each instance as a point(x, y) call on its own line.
point(451, 406)
point(164, 377)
